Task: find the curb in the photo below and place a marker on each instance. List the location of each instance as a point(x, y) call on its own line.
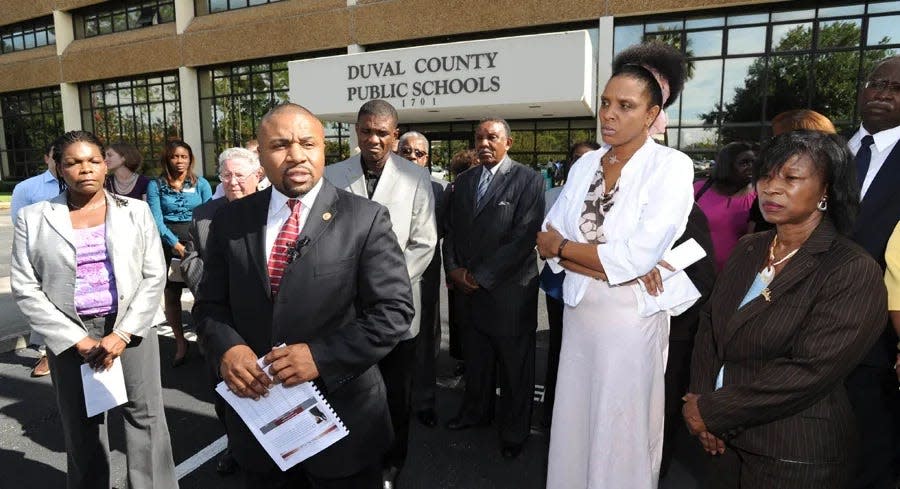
point(15, 341)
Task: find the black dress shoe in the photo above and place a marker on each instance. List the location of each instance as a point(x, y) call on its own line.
point(427, 417)
point(226, 464)
point(459, 369)
point(511, 451)
point(461, 423)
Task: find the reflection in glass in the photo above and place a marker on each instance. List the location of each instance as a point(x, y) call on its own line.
point(699, 139)
point(671, 25)
point(839, 33)
point(793, 15)
point(704, 43)
point(788, 84)
point(746, 40)
point(704, 22)
point(748, 19)
point(883, 30)
point(835, 89)
point(792, 37)
point(841, 11)
point(741, 89)
point(884, 7)
point(701, 93)
point(672, 38)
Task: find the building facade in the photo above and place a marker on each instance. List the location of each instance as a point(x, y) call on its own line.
point(144, 71)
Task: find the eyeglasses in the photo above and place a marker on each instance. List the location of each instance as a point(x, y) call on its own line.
point(883, 85)
point(227, 177)
point(406, 151)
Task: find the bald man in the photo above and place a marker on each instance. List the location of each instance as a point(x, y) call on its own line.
point(318, 269)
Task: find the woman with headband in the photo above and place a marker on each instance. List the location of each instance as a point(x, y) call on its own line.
point(622, 207)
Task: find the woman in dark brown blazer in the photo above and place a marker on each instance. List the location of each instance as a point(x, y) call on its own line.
point(793, 312)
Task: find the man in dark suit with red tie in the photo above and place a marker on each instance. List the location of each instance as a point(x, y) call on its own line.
point(316, 268)
point(494, 215)
point(872, 387)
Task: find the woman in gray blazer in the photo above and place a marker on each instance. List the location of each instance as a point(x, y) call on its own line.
point(793, 312)
point(88, 273)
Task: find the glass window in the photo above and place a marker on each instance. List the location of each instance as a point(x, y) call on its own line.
point(704, 22)
point(839, 33)
point(235, 97)
point(793, 15)
point(213, 6)
point(27, 35)
point(701, 92)
point(144, 111)
point(841, 11)
point(884, 7)
point(792, 37)
point(704, 43)
point(627, 35)
point(30, 121)
point(122, 15)
point(834, 95)
point(748, 19)
point(883, 30)
point(747, 40)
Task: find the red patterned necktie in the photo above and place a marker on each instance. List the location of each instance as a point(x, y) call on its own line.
point(278, 259)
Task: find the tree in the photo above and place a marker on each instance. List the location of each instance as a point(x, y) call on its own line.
point(785, 84)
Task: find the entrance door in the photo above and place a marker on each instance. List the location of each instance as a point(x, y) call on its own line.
point(446, 144)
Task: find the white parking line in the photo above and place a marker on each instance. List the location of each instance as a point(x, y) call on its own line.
point(201, 457)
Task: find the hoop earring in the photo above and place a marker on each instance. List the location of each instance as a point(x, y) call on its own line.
point(823, 204)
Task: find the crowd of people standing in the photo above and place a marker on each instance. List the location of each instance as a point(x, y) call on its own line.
point(776, 349)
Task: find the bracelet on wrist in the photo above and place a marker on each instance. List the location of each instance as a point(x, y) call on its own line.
point(123, 336)
point(562, 245)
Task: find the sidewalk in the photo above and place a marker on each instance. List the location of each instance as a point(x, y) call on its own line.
point(13, 328)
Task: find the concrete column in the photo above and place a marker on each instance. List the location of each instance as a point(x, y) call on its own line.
point(184, 14)
point(353, 142)
point(4, 155)
point(71, 106)
point(64, 30)
point(190, 115)
point(604, 61)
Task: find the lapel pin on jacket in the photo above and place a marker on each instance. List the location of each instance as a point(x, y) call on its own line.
point(326, 216)
point(767, 294)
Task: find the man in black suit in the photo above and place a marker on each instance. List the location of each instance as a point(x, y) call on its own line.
point(494, 216)
point(872, 387)
point(338, 295)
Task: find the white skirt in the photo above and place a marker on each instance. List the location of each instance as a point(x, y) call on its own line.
point(608, 416)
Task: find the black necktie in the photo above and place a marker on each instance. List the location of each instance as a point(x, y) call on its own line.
point(863, 157)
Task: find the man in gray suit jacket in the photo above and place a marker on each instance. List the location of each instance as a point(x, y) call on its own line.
point(405, 189)
point(493, 218)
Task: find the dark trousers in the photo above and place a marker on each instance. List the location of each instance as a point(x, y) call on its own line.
point(515, 356)
point(874, 396)
point(677, 379)
point(454, 325)
point(428, 345)
point(297, 478)
point(397, 370)
point(555, 321)
point(737, 469)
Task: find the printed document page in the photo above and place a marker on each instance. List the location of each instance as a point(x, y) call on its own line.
point(291, 423)
point(103, 390)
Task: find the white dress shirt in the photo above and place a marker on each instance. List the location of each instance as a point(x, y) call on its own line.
point(651, 208)
point(35, 189)
point(279, 212)
point(881, 148)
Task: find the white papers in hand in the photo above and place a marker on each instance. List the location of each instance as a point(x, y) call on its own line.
point(103, 390)
point(291, 423)
point(681, 257)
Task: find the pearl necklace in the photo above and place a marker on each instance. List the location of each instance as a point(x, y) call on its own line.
point(768, 273)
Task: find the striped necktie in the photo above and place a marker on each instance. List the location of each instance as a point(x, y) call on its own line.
point(287, 237)
point(484, 184)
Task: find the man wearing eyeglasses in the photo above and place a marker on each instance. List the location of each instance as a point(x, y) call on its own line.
point(240, 174)
point(872, 386)
point(405, 189)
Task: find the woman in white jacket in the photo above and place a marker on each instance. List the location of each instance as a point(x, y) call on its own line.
point(621, 209)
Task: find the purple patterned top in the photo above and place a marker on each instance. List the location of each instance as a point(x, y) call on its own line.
point(95, 282)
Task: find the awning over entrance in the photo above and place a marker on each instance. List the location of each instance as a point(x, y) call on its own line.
point(545, 75)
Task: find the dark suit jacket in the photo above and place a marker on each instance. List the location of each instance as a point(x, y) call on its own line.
point(495, 241)
point(198, 233)
point(878, 214)
point(347, 295)
point(786, 359)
